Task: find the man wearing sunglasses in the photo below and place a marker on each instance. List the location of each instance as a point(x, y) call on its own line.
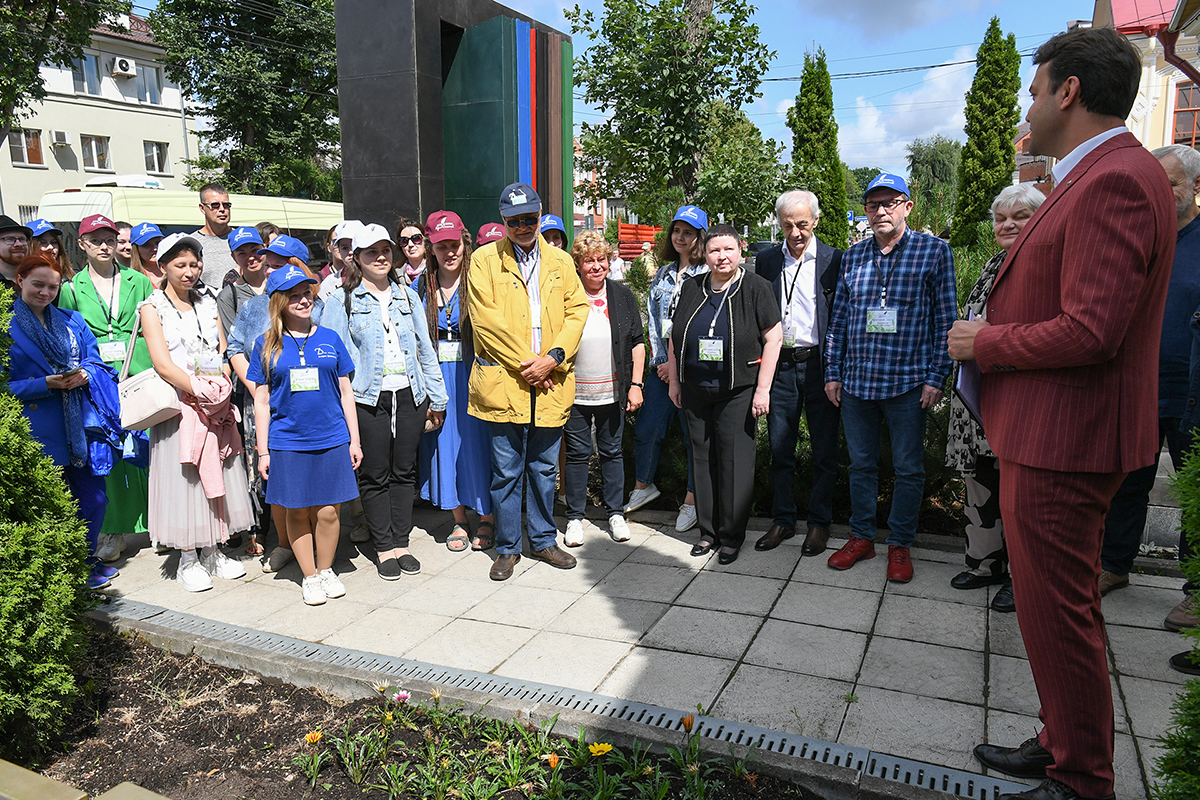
point(527, 309)
point(213, 237)
point(14, 245)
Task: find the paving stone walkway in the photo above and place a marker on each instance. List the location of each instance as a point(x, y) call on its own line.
point(918, 670)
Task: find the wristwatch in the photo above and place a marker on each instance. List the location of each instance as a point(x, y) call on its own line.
point(558, 354)
point(639, 385)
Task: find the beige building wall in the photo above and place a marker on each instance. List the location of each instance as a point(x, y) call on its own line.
point(1153, 116)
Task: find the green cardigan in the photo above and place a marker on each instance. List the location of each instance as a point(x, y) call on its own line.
point(79, 294)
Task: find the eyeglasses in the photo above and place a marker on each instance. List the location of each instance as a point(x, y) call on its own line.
point(9, 241)
point(523, 222)
point(886, 205)
point(218, 206)
point(403, 241)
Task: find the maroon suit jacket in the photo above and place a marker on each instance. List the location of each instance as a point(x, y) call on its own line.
point(1070, 360)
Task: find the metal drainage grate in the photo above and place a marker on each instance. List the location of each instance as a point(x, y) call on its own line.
point(894, 768)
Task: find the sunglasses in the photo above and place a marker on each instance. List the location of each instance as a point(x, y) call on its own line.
point(403, 241)
point(523, 222)
point(218, 206)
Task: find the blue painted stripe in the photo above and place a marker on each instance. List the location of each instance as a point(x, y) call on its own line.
point(524, 108)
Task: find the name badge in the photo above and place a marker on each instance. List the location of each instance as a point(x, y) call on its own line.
point(112, 351)
point(449, 351)
point(393, 363)
point(667, 325)
point(881, 320)
point(208, 366)
point(712, 349)
point(535, 314)
point(304, 379)
point(789, 335)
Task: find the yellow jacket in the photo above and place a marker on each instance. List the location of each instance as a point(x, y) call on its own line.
point(498, 304)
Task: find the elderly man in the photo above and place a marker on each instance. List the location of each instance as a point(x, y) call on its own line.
point(213, 237)
point(896, 299)
point(803, 271)
point(527, 310)
point(14, 246)
point(1067, 354)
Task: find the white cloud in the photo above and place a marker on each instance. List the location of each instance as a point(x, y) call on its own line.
point(879, 19)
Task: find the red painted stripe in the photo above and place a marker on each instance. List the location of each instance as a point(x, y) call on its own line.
point(533, 107)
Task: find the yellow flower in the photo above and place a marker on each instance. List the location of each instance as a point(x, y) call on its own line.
point(436, 695)
point(313, 737)
point(599, 748)
point(552, 760)
point(688, 720)
point(388, 718)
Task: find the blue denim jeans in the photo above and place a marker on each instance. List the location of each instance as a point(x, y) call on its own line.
point(653, 420)
point(796, 388)
point(524, 456)
point(861, 419)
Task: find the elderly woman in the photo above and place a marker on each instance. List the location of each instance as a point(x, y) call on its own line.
point(966, 447)
point(608, 383)
point(725, 339)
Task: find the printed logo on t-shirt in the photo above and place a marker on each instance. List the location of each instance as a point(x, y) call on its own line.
point(325, 351)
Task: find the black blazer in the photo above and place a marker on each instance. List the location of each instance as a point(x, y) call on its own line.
point(769, 265)
point(625, 321)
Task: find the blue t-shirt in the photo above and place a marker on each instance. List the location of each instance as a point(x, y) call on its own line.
point(305, 420)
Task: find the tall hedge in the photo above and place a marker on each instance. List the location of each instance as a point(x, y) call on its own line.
point(43, 550)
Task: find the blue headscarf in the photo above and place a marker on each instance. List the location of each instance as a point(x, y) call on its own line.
point(60, 347)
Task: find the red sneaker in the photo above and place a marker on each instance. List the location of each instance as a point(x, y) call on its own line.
point(852, 552)
point(899, 564)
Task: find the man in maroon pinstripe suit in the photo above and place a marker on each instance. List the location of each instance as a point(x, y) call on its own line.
point(1069, 355)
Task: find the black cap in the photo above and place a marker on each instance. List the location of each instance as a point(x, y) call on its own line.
point(7, 223)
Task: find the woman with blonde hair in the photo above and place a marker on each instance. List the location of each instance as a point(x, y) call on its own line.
point(48, 239)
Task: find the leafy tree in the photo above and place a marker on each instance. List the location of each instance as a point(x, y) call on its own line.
point(654, 66)
point(933, 180)
point(989, 157)
point(268, 80)
point(815, 162)
point(864, 176)
point(740, 174)
point(853, 189)
point(37, 32)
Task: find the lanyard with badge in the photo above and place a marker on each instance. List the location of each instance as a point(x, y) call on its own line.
point(789, 329)
point(113, 350)
point(303, 378)
point(712, 348)
point(203, 354)
point(393, 355)
point(449, 349)
point(884, 319)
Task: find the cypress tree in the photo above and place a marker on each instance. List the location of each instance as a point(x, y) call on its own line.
point(989, 158)
point(816, 165)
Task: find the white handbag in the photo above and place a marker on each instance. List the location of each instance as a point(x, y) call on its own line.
point(146, 399)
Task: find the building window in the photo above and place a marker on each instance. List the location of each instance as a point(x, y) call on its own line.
point(95, 151)
point(156, 157)
point(1187, 105)
point(149, 85)
point(28, 214)
point(86, 72)
point(25, 146)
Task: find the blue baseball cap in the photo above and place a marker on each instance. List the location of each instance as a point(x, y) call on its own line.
point(288, 247)
point(144, 232)
point(885, 180)
point(518, 199)
point(40, 226)
point(246, 234)
point(283, 279)
point(553, 223)
point(692, 215)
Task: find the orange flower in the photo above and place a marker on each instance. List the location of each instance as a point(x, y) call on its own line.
point(313, 737)
point(552, 760)
point(688, 720)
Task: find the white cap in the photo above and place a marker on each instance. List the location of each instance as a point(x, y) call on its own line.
point(368, 235)
point(346, 230)
point(173, 241)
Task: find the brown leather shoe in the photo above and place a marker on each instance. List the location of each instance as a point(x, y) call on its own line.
point(556, 557)
point(1110, 580)
point(815, 542)
point(1184, 615)
point(502, 567)
point(771, 539)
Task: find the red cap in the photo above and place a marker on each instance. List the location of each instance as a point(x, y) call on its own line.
point(96, 222)
point(443, 226)
point(491, 232)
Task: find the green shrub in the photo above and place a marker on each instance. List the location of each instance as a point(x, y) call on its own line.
point(43, 548)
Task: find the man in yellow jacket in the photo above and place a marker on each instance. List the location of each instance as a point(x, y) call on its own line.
point(527, 309)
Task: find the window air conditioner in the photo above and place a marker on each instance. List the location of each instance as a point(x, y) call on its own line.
point(60, 138)
point(124, 68)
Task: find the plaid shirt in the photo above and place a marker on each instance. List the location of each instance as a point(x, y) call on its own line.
point(921, 287)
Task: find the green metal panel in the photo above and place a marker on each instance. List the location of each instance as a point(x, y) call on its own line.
point(568, 134)
point(479, 121)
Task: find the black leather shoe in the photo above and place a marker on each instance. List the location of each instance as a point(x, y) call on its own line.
point(815, 542)
point(772, 538)
point(1004, 601)
point(969, 580)
point(727, 558)
point(1051, 790)
point(1186, 662)
point(1027, 761)
point(703, 547)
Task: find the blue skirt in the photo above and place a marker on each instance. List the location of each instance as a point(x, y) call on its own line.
point(456, 460)
point(305, 478)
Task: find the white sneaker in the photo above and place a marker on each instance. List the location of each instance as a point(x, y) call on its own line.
point(314, 590)
point(110, 546)
point(639, 497)
point(360, 534)
point(221, 566)
point(192, 576)
point(574, 535)
point(618, 528)
point(333, 586)
point(280, 557)
point(687, 517)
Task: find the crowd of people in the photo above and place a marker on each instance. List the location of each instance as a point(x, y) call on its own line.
point(477, 371)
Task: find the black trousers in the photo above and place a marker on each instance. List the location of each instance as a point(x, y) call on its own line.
point(722, 431)
point(796, 388)
point(387, 477)
point(610, 423)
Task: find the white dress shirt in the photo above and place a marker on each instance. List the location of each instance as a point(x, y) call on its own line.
point(798, 300)
point(1063, 168)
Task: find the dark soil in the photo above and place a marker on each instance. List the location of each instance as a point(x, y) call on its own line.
point(184, 728)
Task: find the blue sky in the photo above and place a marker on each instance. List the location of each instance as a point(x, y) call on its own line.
point(877, 116)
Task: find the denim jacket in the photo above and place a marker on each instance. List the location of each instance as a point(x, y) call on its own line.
point(363, 334)
point(658, 305)
point(253, 319)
